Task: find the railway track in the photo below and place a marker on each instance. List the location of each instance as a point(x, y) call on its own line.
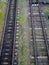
point(7, 55)
point(40, 50)
point(40, 1)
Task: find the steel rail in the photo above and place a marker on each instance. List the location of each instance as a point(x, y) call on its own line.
point(33, 35)
point(15, 57)
point(44, 34)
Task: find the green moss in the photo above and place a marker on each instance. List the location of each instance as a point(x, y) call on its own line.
point(21, 18)
point(21, 63)
point(47, 20)
point(1, 19)
point(22, 48)
point(1, 16)
point(20, 2)
point(48, 30)
point(3, 4)
point(47, 12)
point(22, 60)
point(48, 45)
point(2, 12)
point(46, 0)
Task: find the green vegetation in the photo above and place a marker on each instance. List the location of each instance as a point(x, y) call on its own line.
point(47, 14)
point(47, 20)
point(2, 13)
point(48, 30)
point(21, 18)
point(46, 0)
point(48, 45)
point(3, 4)
point(22, 48)
point(20, 2)
point(22, 61)
point(1, 16)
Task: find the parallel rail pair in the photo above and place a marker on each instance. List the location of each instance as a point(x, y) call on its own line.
point(38, 21)
point(8, 39)
point(39, 1)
